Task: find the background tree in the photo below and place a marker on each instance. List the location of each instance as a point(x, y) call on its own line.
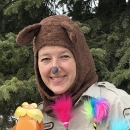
point(17, 81)
point(105, 26)
point(16, 14)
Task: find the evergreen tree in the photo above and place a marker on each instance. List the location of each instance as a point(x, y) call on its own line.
point(111, 50)
point(17, 14)
point(17, 80)
point(107, 31)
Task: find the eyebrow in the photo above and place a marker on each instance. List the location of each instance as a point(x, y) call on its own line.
point(64, 51)
point(46, 54)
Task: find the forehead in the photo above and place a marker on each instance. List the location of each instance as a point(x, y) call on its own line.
point(53, 49)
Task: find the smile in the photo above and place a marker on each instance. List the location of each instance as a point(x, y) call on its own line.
point(57, 79)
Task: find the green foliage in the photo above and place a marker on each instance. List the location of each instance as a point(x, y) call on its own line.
point(100, 58)
point(14, 58)
point(79, 10)
point(110, 49)
point(14, 90)
point(13, 93)
point(17, 83)
point(106, 29)
point(16, 5)
point(17, 14)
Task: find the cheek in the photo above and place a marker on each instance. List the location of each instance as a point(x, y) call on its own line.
point(44, 70)
point(72, 68)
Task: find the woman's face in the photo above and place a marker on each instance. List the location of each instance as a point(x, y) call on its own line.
point(62, 58)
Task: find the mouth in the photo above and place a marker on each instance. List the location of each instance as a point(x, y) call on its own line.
point(57, 79)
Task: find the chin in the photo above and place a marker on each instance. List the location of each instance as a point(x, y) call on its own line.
point(58, 92)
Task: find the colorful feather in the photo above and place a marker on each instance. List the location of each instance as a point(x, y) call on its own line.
point(101, 109)
point(62, 109)
point(88, 110)
point(120, 124)
point(96, 108)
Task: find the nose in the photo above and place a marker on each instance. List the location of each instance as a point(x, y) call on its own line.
point(55, 65)
point(54, 69)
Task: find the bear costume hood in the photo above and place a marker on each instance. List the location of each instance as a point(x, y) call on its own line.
point(60, 30)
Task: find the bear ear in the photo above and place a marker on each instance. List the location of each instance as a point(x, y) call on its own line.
point(27, 35)
point(70, 30)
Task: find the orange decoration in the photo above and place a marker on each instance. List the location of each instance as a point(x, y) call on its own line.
point(30, 118)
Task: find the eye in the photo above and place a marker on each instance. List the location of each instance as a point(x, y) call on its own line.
point(64, 56)
point(45, 59)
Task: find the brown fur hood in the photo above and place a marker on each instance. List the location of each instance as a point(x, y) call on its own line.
point(62, 31)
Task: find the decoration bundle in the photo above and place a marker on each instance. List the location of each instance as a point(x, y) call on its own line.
point(96, 109)
point(62, 109)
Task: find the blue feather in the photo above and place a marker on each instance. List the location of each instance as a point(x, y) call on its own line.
point(93, 103)
point(120, 124)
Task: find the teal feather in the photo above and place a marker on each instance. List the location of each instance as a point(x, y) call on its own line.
point(120, 124)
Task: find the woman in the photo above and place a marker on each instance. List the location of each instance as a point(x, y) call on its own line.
point(64, 66)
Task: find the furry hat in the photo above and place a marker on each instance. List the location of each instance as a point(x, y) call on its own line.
point(60, 30)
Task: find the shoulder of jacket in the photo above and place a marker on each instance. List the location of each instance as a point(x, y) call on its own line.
point(105, 84)
point(100, 87)
point(108, 91)
point(113, 88)
point(122, 96)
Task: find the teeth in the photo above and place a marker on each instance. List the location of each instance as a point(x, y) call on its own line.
point(56, 78)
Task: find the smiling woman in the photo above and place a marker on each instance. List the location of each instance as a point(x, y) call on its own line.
point(63, 60)
point(72, 96)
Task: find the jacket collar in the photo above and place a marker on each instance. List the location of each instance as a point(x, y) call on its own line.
point(92, 91)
